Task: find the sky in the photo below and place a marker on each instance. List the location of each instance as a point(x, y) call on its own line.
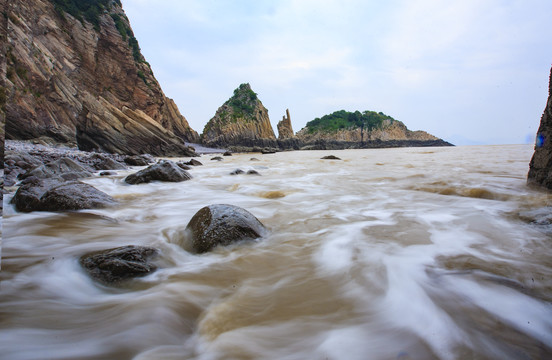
point(467, 71)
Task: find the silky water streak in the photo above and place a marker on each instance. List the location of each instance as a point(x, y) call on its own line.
point(410, 253)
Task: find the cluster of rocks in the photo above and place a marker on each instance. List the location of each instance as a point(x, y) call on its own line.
point(48, 181)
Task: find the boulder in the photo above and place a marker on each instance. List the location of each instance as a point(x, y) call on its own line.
point(237, 172)
point(63, 168)
point(74, 196)
point(183, 165)
point(227, 153)
point(193, 162)
point(118, 264)
point(52, 195)
point(253, 172)
point(165, 170)
point(222, 224)
point(216, 158)
point(104, 162)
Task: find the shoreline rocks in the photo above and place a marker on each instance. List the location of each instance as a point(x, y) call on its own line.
point(164, 170)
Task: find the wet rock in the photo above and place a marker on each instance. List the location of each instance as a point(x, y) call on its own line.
point(63, 168)
point(216, 158)
point(222, 224)
point(330, 157)
point(108, 173)
point(254, 159)
point(165, 170)
point(269, 150)
point(227, 153)
point(253, 172)
point(138, 160)
point(27, 197)
point(52, 195)
point(193, 162)
point(74, 196)
point(183, 165)
point(237, 172)
point(118, 264)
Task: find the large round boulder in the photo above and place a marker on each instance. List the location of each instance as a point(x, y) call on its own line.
point(165, 170)
point(222, 224)
point(118, 264)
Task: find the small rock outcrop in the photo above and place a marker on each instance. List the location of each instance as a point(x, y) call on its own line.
point(222, 224)
point(74, 74)
point(540, 167)
point(285, 131)
point(64, 168)
point(118, 264)
point(164, 170)
point(241, 121)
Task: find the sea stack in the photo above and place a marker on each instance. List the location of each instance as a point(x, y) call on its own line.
point(540, 167)
point(285, 131)
point(75, 75)
point(242, 121)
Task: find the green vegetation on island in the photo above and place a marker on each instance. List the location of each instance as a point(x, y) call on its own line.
point(343, 120)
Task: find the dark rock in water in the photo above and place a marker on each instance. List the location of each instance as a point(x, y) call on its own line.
point(138, 160)
point(269, 150)
point(237, 172)
point(540, 167)
point(74, 196)
point(64, 168)
point(253, 172)
point(254, 159)
point(330, 157)
point(183, 165)
point(222, 224)
point(27, 197)
point(52, 195)
point(217, 158)
point(118, 264)
point(108, 173)
point(193, 162)
point(227, 153)
point(165, 170)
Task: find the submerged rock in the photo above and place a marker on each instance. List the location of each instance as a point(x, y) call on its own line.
point(118, 264)
point(222, 224)
point(193, 162)
point(216, 158)
point(330, 157)
point(165, 170)
point(237, 172)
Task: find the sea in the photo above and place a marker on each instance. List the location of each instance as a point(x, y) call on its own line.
point(405, 253)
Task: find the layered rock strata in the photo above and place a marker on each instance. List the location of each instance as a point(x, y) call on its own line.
point(81, 80)
point(540, 167)
point(241, 121)
point(285, 131)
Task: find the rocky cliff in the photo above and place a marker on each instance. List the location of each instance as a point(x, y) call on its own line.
point(241, 121)
point(540, 167)
point(75, 75)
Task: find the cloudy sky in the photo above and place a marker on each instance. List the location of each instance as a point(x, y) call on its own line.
point(468, 71)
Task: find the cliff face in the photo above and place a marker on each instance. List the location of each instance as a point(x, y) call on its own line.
point(69, 74)
point(389, 131)
point(285, 131)
point(241, 121)
point(540, 167)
